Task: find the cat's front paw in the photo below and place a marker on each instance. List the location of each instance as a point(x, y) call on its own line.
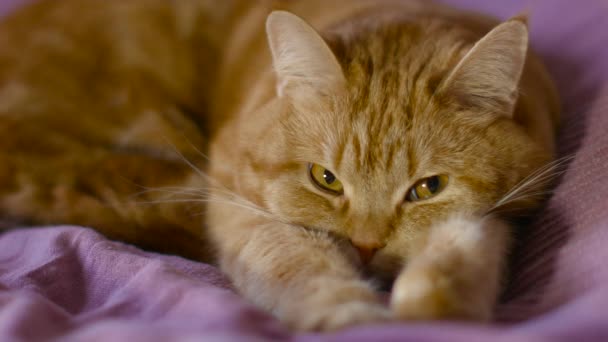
point(456, 275)
point(433, 295)
point(341, 316)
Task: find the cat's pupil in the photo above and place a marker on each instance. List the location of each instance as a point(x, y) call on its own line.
point(329, 177)
point(433, 184)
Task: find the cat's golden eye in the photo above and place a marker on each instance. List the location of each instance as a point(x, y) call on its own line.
point(325, 179)
point(427, 188)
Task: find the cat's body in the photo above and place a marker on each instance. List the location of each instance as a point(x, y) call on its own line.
point(94, 105)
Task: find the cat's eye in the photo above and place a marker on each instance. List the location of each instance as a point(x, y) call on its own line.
point(324, 179)
point(427, 188)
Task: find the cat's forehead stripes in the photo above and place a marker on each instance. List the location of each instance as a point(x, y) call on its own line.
point(392, 74)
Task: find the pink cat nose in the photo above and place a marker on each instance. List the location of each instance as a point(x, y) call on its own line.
point(366, 251)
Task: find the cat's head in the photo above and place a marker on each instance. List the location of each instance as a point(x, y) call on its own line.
point(386, 133)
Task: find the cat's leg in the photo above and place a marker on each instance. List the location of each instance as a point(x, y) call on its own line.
point(304, 277)
point(456, 274)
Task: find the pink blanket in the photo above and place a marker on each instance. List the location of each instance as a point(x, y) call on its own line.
point(69, 283)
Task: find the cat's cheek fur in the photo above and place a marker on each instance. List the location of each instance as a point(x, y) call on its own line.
point(457, 273)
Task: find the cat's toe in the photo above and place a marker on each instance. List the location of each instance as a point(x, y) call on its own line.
point(344, 315)
point(426, 296)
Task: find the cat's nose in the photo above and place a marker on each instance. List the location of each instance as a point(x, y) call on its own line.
point(366, 251)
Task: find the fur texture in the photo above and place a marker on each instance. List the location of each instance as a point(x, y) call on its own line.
point(133, 117)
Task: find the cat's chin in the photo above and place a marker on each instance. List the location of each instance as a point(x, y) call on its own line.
point(382, 282)
point(383, 287)
point(382, 271)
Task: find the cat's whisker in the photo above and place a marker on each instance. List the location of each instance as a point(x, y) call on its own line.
point(173, 191)
point(523, 197)
point(199, 192)
point(196, 149)
point(517, 211)
point(199, 172)
point(202, 174)
point(168, 189)
point(537, 179)
point(255, 209)
point(545, 172)
point(217, 185)
point(202, 195)
point(169, 201)
point(196, 195)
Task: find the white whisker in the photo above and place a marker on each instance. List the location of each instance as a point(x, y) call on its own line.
point(214, 192)
point(199, 152)
point(528, 187)
point(254, 209)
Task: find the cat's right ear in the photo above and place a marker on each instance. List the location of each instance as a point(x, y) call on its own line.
point(488, 75)
point(303, 62)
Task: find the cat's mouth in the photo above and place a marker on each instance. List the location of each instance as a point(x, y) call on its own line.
point(381, 282)
point(382, 285)
point(382, 269)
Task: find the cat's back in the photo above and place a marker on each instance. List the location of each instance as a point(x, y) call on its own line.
point(62, 45)
point(95, 96)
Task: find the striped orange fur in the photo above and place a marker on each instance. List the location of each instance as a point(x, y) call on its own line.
point(136, 118)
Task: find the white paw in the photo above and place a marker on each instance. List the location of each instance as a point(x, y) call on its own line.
point(341, 316)
point(431, 295)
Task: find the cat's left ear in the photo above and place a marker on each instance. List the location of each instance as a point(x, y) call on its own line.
point(302, 60)
point(488, 76)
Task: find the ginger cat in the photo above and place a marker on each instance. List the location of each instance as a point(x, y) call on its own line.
point(351, 144)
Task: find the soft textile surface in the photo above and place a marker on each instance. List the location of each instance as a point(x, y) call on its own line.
point(70, 283)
